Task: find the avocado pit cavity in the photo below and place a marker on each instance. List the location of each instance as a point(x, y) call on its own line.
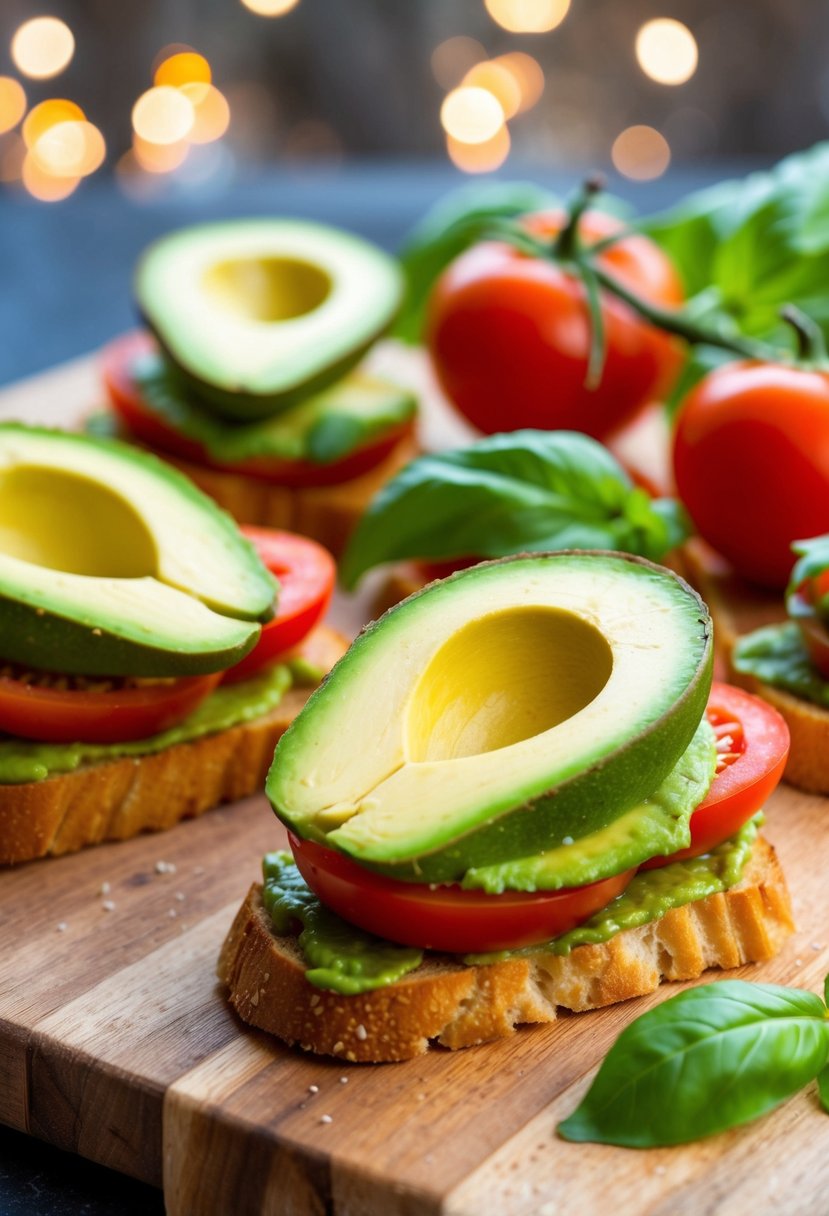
point(504, 678)
point(267, 289)
point(62, 521)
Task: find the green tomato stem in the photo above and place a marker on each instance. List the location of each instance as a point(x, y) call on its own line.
point(683, 327)
point(567, 245)
point(811, 348)
point(598, 345)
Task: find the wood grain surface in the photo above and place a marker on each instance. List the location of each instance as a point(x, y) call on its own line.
point(116, 1042)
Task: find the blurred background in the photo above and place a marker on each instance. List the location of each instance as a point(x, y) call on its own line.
point(122, 119)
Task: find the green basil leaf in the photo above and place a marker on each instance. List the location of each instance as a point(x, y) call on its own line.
point(823, 1089)
point(449, 228)
point(711, 1058)
point(524, 491)
point(757, 244)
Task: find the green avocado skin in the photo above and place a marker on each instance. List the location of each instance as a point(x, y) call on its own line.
point(32, 637)
point(237, 405)
point(325, 427)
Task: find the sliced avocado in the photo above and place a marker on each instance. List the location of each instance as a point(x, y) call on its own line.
point(112, 563)
point(259, 313)
point(325, 427)
point(499, 712)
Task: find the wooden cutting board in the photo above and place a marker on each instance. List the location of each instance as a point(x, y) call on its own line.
point(116, 1042)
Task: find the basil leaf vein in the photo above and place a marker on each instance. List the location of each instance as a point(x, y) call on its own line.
point(708, 1059)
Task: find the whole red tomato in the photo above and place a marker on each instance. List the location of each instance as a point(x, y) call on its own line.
point(751, 460)
point(509, 334)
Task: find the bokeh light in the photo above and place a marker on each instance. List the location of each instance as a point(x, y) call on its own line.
point(641, 153)
point(471, 115)
point(452, 59)
point(528, 75)
point(12, 103)
point(42, 47)
point(498, 81)
point(46, 186)
point(481, 157)
point(48, 114)
point(270, 8)
point(528, 16)
point(158, 158)
point(183, 68)
point(12, 155)
point(163, 115)
point(212, 113)
point(667, 51)
point(70, 149)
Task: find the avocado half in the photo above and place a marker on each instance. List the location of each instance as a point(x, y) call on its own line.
point(256, 314)
point(113, 563)
point(502, 712)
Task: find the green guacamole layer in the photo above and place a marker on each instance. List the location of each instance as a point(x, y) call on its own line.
point(229, 705)
point(778, 656)
point(345, 959)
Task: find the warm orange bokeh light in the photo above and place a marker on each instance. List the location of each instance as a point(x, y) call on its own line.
point(528, 16)
point(212, 113)
point(158, 158)
point(270, 8)
point(452, 59)
point(12, 103)
point(498, 81)
point(480, 157)
point(641, 153)
point(49, 114)
point(42, 47)
point(471, 115)
point(667, 51)
point(163, 115)
point(185, 67)
point(528, 75)
point(45, 186)
point(70, 149)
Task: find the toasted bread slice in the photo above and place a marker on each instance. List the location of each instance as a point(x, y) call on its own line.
point(116, 799)
point(454, 1005)
point(328, 514)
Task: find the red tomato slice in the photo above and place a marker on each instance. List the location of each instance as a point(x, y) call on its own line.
point(306, 573)
point(446, 917)
point(753, 743)
point(58, 715)
point(145, 425)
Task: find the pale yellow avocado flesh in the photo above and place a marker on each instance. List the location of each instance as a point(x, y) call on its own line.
point(474, 697)
point(265, 289)
point(94, 534)
point(262, 310)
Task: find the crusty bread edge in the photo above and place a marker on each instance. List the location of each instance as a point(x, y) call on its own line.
point(118, 799)
point(454, 1005)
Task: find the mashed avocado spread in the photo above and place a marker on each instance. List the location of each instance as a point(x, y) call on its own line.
point(778, 656)
point(344, 959)
point(228, 705)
